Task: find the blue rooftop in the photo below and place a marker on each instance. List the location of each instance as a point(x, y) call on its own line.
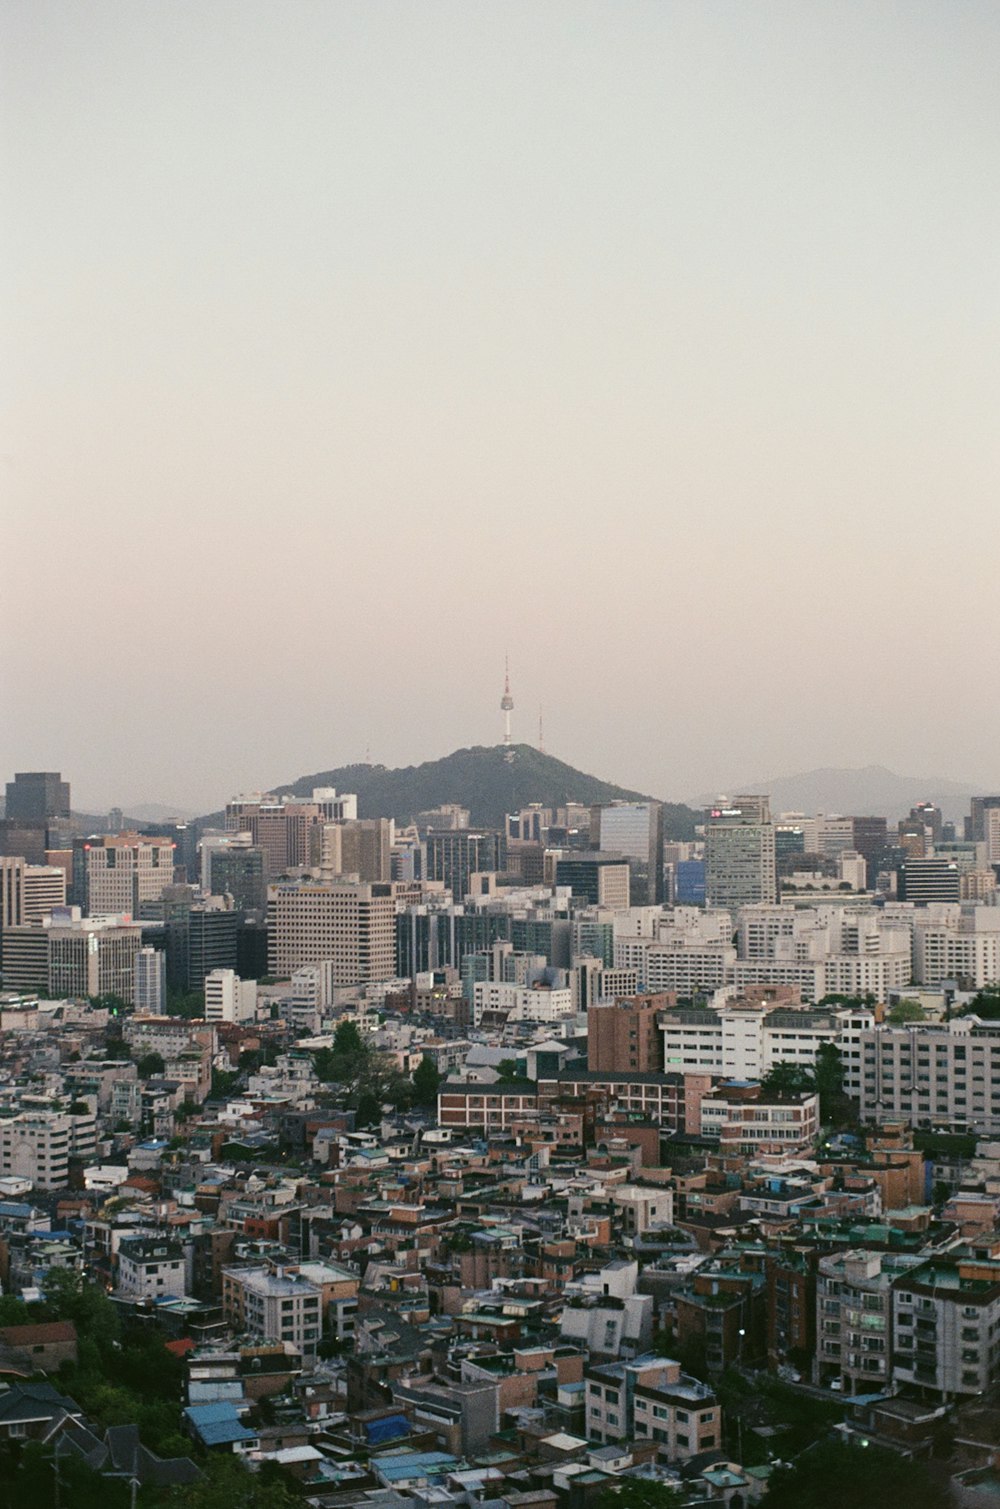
point(217, 1424)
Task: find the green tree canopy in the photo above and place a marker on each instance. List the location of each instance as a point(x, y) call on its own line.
point(906, 1011)
point(640, 1493)
point(426, 1079)
point(150, 1065)
point(835, 1473)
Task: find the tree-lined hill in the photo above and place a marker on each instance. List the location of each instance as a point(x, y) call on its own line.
point(483, 779)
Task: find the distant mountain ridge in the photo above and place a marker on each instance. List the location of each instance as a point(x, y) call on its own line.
point(482, 779)
point(872, 790)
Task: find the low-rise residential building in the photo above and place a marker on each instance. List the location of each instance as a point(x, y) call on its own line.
point(652, 1399)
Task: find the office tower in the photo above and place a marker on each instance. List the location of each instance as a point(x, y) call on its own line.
point(150, 982)
point(289, 829)
point(976, 823)
point(689, 882)
point(599, 879)
point(44, 889)
point(353, 926)
point(623, 1036)
point(12, 870)
point(870, 841)
point(228, 998)
point(740, 865)
point(444, 819)
point(408, 860)
point(931, 817)
point(455, 855)
point(116, 820)
point(789, 841)
point(34, 796)
point(118, 874)
point(635, 830)
point(24, 840)
point(67, 955)
point(530, 825)
point(362, 847)
point(233, 865)
point(213, 931)
point(925, 880)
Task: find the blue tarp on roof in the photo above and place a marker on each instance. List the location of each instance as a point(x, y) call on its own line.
point(388, 1429)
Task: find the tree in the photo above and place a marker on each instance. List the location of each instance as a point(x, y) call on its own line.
point(426, 1079)
point(507, 1070)
point(150, 1065)
point(985, 1004)
point(368, 1111)
point(787, 1079)
point(640, 1493)
point(906, 1011)
point(834, 1473)
point(13, 1311)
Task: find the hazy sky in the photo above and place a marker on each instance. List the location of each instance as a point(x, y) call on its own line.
point(349, 345)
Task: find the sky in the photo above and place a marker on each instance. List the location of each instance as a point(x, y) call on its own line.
point(349, 347)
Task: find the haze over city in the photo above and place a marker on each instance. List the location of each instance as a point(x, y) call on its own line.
point(351, 347)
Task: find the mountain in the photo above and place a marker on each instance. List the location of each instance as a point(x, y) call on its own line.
point(871, 791)
point(482, 779)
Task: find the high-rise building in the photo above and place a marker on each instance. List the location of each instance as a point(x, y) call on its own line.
point(44, 890)
point(67, 955)
point(976, 822)
point(117, 874)
point(34, 796)
point(623, 1036)
point(233, 865)
point(871, 838)
point(12, 870)
point(454, 856)
point(150, 982)
point(635, 830)
point(740, 864)
point(228, 998)
point(351, 925)
point(361, 847)
point(289, 829)
point(932, 818)
point(926, 880)
point(212, 943)
point(20, 839)
point(600, 879)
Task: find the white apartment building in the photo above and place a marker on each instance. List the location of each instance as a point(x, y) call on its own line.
point(953, 941)
point(851, 950)
point(277, 1307)
point(150, 982)
point(151, 1267)
point(37, 1145)
point(686, 950)
point(946, 1326)
point(523, 1003)
point(228, 998)
point(742, 1041)
point(651, 1399)
point(932, 1072)
point(352, 927)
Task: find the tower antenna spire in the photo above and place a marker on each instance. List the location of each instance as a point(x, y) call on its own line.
point(541, 731)
point(506, 702)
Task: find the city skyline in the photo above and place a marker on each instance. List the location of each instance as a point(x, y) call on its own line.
point(675, 325)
